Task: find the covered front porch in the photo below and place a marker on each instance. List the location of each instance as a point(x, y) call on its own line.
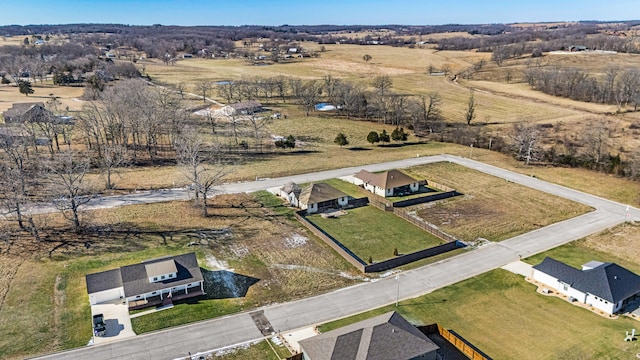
point(165, 297)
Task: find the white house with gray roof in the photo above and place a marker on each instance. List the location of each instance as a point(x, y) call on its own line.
point(607, 287)
point(149, 282)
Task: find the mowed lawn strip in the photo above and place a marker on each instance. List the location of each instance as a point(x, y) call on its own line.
point(368, 231)
point(501, 314)
point(491, 208)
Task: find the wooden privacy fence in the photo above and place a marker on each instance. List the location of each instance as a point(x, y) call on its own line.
point(377, 266)
point(456, 340)
point(329, 240)
point(430, 228)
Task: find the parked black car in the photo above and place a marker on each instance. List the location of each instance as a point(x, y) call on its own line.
point(99, 329)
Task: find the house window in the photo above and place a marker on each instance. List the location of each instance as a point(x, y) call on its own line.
point(565, 287)
point(138, 297)
point(155, 278)
point(162, 277)
point(153, 293)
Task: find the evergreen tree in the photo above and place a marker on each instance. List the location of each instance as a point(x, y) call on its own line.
point(373, 137)
point(25, 87)
point(341, 140)
point(384, 136)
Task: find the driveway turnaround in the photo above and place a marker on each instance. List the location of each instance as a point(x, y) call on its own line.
point(217, 333)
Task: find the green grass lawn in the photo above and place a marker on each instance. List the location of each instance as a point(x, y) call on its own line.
point(503, 316)
point(368, 231)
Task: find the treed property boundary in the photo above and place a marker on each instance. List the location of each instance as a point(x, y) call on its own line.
point(378, 266)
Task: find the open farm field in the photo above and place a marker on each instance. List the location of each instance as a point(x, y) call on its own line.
point(68, 96)
point(269, 258)
point(491, 208)
point(501, 314)
point(370, 232)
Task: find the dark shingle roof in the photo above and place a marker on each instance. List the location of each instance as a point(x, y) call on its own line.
point(105, 280)
point(135, 281)
point(608, 281)
point(315, 193)
point(386, 180)
point(385, 337)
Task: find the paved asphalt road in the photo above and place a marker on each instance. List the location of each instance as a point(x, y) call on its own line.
point(221, 332)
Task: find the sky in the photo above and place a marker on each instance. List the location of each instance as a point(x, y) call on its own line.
point(301, 12)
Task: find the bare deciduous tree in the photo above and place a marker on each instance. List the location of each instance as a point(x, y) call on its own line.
point(470, 114)
point(66, 183)
point(203, 88)
point(382, 83)
point(203, 166)
point(526, 142)
point(595, 141)
point(426, 114)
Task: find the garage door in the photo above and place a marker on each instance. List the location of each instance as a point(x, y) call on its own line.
point(106, 295)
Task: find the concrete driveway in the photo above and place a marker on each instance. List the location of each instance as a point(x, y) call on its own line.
point(116, 320)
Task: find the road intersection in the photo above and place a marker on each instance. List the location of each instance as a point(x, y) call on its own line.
point(221, 332)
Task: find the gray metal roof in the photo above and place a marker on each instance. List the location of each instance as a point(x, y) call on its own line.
point(385, 337)
point(608, 281)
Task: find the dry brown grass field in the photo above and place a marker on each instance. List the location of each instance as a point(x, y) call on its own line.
point(67, 95)
point(43, 287)
point(484, 211)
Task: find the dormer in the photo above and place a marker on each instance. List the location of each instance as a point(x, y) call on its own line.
point(161, 271)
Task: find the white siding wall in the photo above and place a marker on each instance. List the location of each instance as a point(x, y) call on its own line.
point(600, 304)
point(343, 201)
point(548, 280)
point(579, 295)
point(106, 295)
point(311, 208)
point(292, 199)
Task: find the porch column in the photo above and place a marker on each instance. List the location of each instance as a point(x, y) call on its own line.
point(202, 286)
